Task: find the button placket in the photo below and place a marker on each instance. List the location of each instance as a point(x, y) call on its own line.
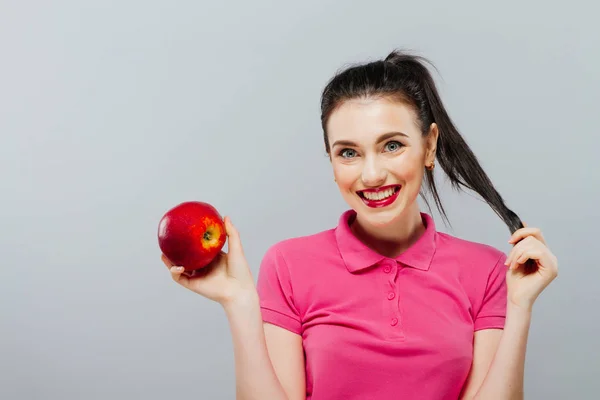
point(394, 318)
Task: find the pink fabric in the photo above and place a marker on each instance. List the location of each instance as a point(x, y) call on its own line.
point(380, 328)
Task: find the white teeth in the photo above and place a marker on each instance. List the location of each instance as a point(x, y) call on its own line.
point(379, 195)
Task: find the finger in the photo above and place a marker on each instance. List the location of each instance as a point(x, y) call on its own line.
point(516, 253)
point(530, 250)
point(525, 232)
point(201, 272)
point(509, 257)
point(235, 244)
point(533, 254)
point(178, 275)
point(541, 257)
point(517, 249)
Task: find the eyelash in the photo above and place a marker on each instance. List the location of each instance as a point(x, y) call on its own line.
point(400, 145)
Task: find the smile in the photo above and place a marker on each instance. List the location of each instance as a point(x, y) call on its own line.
point(380, 197)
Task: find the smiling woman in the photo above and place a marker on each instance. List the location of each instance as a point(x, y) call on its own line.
point(384, 306)
point(377, 143)
point(378, 196)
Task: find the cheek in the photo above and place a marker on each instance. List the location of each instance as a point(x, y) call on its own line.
point(409, 169)
point(345, 175)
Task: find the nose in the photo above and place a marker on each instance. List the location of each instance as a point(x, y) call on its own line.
point(373, 173)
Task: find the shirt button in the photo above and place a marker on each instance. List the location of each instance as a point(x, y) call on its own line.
point(391, 295)
point(394, 321)
point(387, 269)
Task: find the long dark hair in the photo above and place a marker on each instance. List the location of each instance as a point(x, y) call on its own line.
point(405, 77)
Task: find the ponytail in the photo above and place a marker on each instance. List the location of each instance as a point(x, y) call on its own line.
point(406, 77)
point(460, 163)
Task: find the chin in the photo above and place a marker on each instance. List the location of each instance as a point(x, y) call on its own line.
point(378, 217)
point(382, 219)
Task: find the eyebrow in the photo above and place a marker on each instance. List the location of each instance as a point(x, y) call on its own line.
point(380, 139)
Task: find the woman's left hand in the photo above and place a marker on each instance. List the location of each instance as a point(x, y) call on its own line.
point(523, 287)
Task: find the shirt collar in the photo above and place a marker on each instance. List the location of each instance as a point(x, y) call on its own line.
point(357, 256)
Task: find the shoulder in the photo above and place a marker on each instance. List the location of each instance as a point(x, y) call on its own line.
point(303, 248)
point(470, 253)
point(292, 261)
point(479, 268)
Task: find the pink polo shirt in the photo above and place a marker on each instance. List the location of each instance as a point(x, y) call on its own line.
point(380, 328)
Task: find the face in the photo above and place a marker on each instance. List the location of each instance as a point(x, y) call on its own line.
point(379, 154)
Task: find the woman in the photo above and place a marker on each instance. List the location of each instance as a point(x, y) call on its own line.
point(383, 306)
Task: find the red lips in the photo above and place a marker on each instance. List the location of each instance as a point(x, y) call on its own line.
point(383, 202)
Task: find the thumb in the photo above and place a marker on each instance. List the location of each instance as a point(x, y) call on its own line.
point(235, 244)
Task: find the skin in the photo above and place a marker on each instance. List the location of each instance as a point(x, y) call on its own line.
point(362, 160)
point(269, 360)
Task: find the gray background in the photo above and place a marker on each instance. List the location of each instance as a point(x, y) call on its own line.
point(111, 112)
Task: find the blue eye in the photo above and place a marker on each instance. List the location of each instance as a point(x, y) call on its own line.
point(347, 153)
point(393, 145)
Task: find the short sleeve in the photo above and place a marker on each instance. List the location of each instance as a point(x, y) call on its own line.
point(275, 292)
point(492, 312)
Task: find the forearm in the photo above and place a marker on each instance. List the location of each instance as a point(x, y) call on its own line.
point(504, 380)
point(255, 376)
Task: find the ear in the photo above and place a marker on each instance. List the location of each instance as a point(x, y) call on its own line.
point(431, 143)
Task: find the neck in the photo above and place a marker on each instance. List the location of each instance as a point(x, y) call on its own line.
point(393, 239)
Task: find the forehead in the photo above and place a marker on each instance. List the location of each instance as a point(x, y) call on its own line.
point(363, 120)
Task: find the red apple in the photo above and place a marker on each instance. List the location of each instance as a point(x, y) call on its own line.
point(191, 234)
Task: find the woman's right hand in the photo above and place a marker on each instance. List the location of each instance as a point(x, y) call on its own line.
point(225, 279)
